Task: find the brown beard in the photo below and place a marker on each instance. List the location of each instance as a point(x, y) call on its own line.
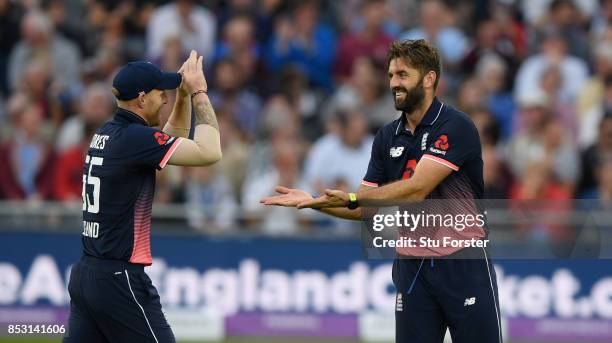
point(413, 100)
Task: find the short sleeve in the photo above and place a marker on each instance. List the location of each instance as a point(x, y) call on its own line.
point(150, 147)
point(375, 175)
point(455, 142)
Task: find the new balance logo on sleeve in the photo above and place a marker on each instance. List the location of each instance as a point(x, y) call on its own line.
point(469, 302)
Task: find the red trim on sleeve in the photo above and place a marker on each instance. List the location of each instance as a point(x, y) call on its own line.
point(168, 154)
point(441, 161)
point(369, 184)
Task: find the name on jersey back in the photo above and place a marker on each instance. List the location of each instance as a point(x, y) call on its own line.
point(98, 141)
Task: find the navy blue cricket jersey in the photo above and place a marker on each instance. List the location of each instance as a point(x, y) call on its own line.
point(119, 185)
point(444, 135)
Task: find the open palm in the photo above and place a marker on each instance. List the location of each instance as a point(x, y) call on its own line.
point(289, 197)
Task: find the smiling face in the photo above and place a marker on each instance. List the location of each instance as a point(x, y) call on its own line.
point(414, 70)
point(407, 85)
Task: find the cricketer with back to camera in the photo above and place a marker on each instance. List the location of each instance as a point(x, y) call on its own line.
point(111, 297)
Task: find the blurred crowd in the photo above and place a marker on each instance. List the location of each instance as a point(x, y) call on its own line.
point(300, 87)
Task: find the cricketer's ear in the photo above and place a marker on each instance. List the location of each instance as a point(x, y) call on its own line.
point(429, 79)
point(141, 100)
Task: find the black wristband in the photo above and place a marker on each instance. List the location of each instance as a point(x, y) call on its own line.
point(353, 202)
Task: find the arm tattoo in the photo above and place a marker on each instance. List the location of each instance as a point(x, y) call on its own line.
point(205, 114)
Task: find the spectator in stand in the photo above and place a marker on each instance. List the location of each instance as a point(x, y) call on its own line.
point(606, 36)
point(594, 154)
point(341, 158)
point(229, 96)
point(106, 46)
point(497, 176)
point(601, 20)
point(96, 17)
point(39, 87)
point(16, 104)
point(42, 45)
point(471, 95)
point(305, 101)
point(277, 114)
point(491, 73)
point(510, 25)
point(101, 66)
point(261, 13)
point(238, 43)
point(10, 16)
point(280, 77)
point(603, 189)
point(535, 12)
point(591, 94)
point(401, 13)
point(281, 166)
point(172, 55)
point(116, 25)
point(27, 158)
point(274, 158)
point(487, 126)
point(211, 205)
point(574, 71)
point(436, 28)
point(196, 25)
point(538, 182)
point(236, 151)
point(566, 18)
point(95, 108)
point(68, 176)
point(227, 10)
point(171, 59)
point(491, 41)
point(563, 110)
point(303, 40)
point(348, 15)
point(371, 40)
point(540, 139)
point(595, 96)
point(64, 22)
point(131, 19)
point(170, 186)
point(366, 90)
point(34, 84)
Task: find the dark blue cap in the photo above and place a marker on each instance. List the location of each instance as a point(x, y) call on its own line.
point(141, 76)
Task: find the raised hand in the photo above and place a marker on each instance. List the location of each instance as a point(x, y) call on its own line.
point(288, 197)
point(193, 74)
point(183, 90)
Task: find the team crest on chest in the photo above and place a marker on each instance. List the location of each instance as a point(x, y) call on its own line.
point(396, 151)
point(424, 141)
